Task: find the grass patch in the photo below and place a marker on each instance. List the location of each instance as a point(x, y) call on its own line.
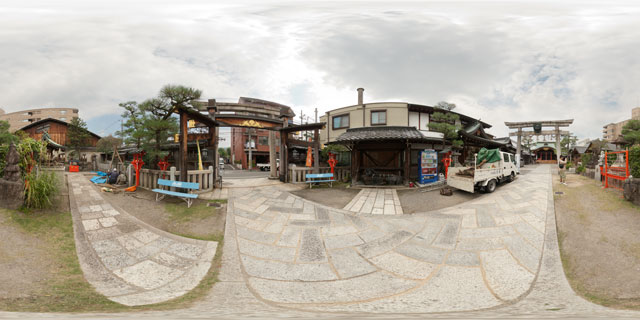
point(179, 212)
point(610, 201)
point(67, 290)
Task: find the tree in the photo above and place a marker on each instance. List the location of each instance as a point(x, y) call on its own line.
point(222, 152)
point(631, 132)
point(132, 127)
point(158, 127)
point(108, 143)
point(179, 96)
point(77, 135)
point(566, 143)
point(446, 124)
point(6, 138)
point(445, 105)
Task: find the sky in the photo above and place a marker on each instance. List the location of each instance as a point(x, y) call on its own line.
point(497, 61)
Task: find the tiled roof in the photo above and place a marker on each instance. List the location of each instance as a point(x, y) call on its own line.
point(382, 133)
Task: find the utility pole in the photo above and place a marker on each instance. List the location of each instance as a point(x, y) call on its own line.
point(316, 110)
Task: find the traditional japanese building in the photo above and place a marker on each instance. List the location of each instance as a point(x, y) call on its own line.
point(385, 138)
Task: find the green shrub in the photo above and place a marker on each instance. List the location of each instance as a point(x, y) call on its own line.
point(580, 169)
point(569, 165)
point(40, 189)
point(634, 161)
point(586, 159)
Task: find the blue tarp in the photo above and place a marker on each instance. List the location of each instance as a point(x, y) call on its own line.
point(98, 179)
point(102, 174)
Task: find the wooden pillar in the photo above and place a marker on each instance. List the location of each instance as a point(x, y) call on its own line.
point(284, 152)
point(213, 146)
point(519, 148)
point(316, 151)
point(183, 145)
point(273, 165)
point(355, 166)
point(407, 162)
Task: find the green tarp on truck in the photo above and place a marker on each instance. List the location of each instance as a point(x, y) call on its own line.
point(491, 155)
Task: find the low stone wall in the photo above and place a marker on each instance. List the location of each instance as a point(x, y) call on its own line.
point(631, 190)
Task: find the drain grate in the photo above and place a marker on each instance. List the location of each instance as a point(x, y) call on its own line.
point(559, 192)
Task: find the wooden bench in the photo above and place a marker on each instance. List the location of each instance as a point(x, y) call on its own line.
point(319, 177)
point(188, 197)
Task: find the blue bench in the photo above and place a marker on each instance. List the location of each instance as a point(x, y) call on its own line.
point(319, 177)
point(188, 197)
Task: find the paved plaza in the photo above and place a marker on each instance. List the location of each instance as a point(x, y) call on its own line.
point(127, 260)
point(283, 256)
point(375, 201)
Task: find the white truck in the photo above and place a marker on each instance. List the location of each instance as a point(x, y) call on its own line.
point(485, 177)
point(267, 166)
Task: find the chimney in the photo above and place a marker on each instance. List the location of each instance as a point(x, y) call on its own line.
point(360, 96)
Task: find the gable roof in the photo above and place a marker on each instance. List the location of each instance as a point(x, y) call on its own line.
point(66, 124)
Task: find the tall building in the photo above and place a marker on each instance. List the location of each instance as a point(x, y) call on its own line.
point(23, 118)
point(259, 145)
point(612, 131)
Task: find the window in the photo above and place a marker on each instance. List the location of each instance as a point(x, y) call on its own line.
point(263, 141)
point(63, 111)
point(340, 122)
point(506, 157)
point(63, 118)
point(378, 117)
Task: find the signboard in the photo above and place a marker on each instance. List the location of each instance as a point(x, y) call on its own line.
point(537, 127)
point(428, 166)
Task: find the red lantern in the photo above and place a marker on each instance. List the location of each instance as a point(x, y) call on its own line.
point(332, 163)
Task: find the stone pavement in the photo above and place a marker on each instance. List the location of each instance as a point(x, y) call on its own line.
point(477, 255)
point(127, 260)
point(450, 285)
point(375, 201)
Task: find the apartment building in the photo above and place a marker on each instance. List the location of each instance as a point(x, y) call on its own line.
point(612, 131)
point(23, 118)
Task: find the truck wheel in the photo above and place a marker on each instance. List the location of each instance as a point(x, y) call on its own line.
point(512, 176)
point(491, 186)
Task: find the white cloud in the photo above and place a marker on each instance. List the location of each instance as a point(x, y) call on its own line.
point(501, 62)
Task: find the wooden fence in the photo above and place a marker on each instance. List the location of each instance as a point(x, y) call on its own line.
point(298, 174)
point(149, 178)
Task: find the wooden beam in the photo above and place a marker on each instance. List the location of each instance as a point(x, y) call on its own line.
point(542, 133)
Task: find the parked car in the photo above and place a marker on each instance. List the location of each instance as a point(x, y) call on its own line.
point(485, 177)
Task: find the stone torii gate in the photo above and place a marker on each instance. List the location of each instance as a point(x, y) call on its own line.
point(537, 130)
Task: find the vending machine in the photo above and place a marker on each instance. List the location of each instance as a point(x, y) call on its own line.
point(428, 166)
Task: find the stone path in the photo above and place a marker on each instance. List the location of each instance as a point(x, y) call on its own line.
point(127, 260)
point(477, 255)
point(375, 201)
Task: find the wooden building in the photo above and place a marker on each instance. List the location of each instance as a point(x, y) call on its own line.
point(57, 130)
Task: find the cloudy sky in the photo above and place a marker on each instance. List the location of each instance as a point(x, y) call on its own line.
point(498, 61)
